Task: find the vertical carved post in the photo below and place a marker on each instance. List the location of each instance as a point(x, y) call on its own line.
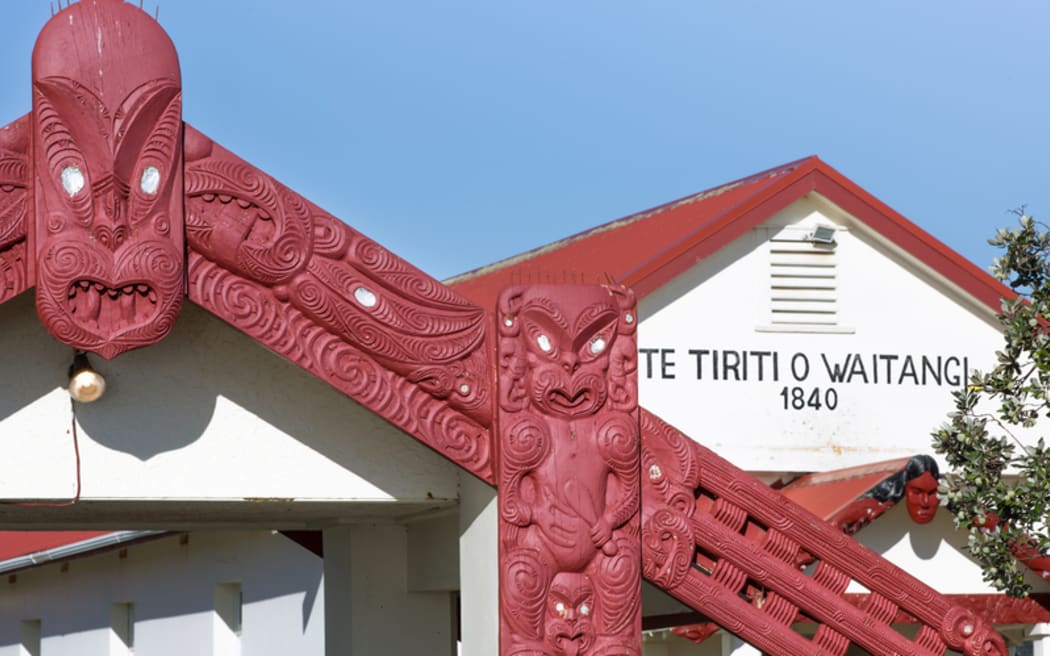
point(570, 550)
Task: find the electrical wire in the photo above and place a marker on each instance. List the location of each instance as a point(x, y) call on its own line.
point(76, 455)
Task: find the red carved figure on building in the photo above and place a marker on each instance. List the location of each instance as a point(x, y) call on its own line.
point(569, 463)
point(920, 497)
point(916, 483)
point(107, 170)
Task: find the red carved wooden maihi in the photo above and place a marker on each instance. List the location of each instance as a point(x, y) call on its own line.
point(114, 209)
point(728, 545)
point(569, 500)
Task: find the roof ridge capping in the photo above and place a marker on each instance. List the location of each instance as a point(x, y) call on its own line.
point(711, 192)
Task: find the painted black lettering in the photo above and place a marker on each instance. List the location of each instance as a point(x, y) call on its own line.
point(666, 364)
point(929, 368)
point(952, 376)
point(760, 357)
point(800, 363)
point(888, 359)
point(648, 353)
point(698, 354)
point(908, 371)
point(857, 369)
point(733, 366)
point(836, 371)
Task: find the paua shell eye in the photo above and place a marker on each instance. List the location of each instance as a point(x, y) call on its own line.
point(150, 181)
point(72, 180)
point(544, 343)
point(597, 345)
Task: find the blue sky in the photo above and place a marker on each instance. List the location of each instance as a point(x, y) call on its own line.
point(460, 132)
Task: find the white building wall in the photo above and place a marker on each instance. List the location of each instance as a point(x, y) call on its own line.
point(890, 311)
point(206, 414)
point(171, 586)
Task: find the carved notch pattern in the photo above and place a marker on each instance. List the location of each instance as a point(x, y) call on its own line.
point(568, 475)
point(14, 208)
point(275, 266)
point(724, 543)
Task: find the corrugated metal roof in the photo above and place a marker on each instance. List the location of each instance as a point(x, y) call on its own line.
point(648, 249)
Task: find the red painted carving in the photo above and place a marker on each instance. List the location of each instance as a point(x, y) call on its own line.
point(726, 544)
point(920, 497)
point(107, 159)
point(568, 475)
point(274, 265)
point(14, 208)
point(916, 483)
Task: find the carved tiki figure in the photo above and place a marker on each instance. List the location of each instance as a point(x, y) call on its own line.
point(568, 478)
point(107, 178)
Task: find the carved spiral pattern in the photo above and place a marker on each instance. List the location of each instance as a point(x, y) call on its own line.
point(330, 239)
point(253, 309)
point(307, 266)
point(403, 335)
point(524, 586)
point(401, 275)
point(459, 438)
point(13, 199)
point(954, 623)
point(435, 380)
point(618, 577)
point(667, 548)
point(270, 260)
point(618, 442)
point(13, 276)
point(526, 444)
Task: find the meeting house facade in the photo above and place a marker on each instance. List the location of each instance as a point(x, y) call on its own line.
point(700, 429)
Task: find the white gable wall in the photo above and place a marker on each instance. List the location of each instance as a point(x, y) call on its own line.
point(888, 315)
point(206, 415)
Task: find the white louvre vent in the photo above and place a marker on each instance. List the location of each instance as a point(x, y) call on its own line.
point(803, 282)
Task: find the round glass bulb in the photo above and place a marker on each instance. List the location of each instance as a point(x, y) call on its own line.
point(86, 386)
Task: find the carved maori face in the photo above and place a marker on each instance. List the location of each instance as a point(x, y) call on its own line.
point(570, 609)
point(107, 158)
point(568, 350)
point(920, 495)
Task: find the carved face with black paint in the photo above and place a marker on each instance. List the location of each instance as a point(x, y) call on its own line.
point(568, 351)
point(107, 159)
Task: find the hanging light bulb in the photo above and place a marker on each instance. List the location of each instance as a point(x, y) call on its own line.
point(85, 384)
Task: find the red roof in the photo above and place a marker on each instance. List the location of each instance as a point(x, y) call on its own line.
point(647, 249)
point(22, 543)
point(826, 493)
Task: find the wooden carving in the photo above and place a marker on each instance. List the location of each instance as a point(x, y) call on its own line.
point(916, 484)
point(14, 208)
point(568, 474)
point(726, 544)
point(274, 265)
point(107, 167)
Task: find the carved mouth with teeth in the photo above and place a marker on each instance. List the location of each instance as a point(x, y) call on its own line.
point(101, 307)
